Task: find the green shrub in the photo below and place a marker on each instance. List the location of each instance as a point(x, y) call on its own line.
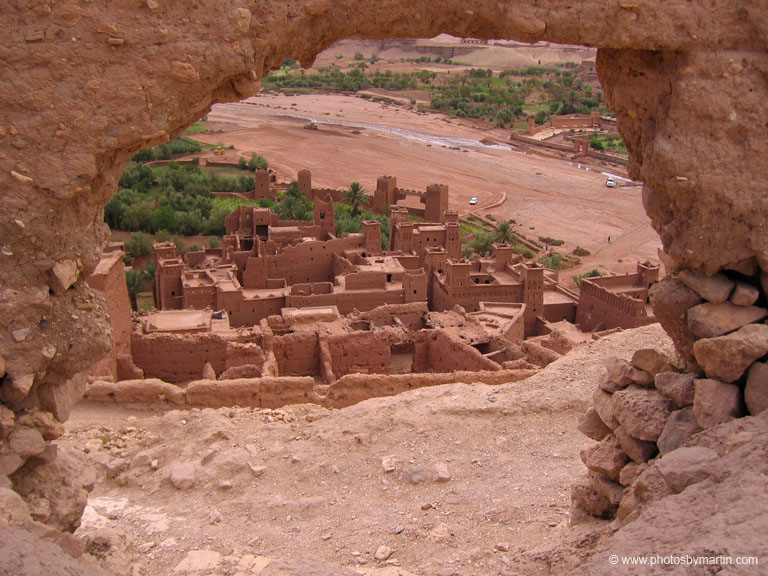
point(551, 241)
point(579, 251)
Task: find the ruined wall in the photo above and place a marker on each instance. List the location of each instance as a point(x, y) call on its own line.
point(181, 357)
point(297, 354)
point(436, 351)
point(109, 279)
point(359, 352)
point(86, 85)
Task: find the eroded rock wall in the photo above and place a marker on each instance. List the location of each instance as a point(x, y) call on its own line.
point(83, 86)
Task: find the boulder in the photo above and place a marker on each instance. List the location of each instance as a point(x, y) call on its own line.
point(182, 475)
point(756, 390)
point(744, 294)
point(63, 275)
point(603, 404)
point(585, 496)
point(652, 361)
point(58, 398)
point(676, 386)
point(671, 300)
point(209, 373)
point(680, 426)
point(616, 376)
point(607, 458)
point(592, 426)
point(638, 450)
point(727, 357)
point(7, 421)
point(710, 320)
point(642, 412)
point(57, 492)
point(631, 471)
point(686, 466)
point(716, 288)
point(715, 402)
point(606, 487)
point(26, 442)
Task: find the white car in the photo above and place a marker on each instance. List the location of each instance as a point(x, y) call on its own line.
point(473, 200)
point(611, 183)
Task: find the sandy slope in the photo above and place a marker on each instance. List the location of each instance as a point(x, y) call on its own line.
point(305, 481)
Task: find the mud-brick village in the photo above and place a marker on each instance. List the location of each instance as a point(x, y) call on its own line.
point(458, 288)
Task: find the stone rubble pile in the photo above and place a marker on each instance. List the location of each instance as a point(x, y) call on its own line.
point(645, 410)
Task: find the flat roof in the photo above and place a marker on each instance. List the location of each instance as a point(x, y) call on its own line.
point(177, 320)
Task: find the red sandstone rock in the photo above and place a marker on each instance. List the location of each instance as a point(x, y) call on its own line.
point(62, 485)
point(7, 421)
point(607, 458)
point(63, 275)
point(639, 450)
point(26, 442)
point(744, 294)
point(680, 426)
point(677, 387)
point(652, 361)
point(715, 289)
point(642, 412)
point(756, 390)
point(671, 300)
point(585, 496)
point(606, 487)
point(710, 320)
point(715, 402)
point(592, 426)
point(617, 375)
point(603, 404)
point(210, 374)
point(59, 398)
point(727, 357)
point(686, 466)
point(648, 487)
point(631, 471)
point(182, 475)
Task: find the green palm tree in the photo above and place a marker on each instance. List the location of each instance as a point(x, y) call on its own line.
point(134, 280)
point(355, 195)
point(504, 233)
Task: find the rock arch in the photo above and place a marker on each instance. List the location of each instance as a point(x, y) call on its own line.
point(85, 85)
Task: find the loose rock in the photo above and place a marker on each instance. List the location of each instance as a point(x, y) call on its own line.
point(642, 412)
point(710, 320)
point(680, 426)
point(715, 289)
point(715, 402)
point(726, 358)
point(756, 391)
point(677, 387)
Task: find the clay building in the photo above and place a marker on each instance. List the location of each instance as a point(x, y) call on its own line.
point(109, 279)
point(617, 301)
point(413, 238)
point(503, 277)
point(434, 201)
